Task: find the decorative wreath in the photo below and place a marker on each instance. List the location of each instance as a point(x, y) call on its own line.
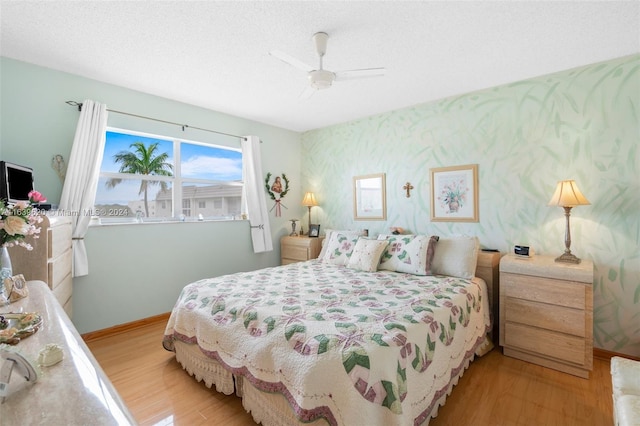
point(267, 185)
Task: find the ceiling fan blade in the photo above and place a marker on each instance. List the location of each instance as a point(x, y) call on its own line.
point(291, 60)
point(363, 73)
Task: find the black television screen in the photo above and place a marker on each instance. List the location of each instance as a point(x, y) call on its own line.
point(16, 182)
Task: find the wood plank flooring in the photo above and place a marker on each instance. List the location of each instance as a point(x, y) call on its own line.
point(496, 390)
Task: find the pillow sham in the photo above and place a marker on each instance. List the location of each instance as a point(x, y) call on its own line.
point(456, 257)
point(366, 255)
point(327, 239)
point(410, 254)
point(339, 248)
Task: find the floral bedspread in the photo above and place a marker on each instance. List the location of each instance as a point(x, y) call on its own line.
point(352, 347)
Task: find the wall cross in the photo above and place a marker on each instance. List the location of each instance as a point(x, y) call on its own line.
point(408, 187)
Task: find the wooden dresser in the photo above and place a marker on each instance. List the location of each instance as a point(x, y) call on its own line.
point(50, 260)
point(546, 312)
point(299, 249)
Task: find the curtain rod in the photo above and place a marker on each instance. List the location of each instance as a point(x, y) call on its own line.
point(79, 105)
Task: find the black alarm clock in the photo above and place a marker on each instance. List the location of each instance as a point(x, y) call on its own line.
point(521, 250)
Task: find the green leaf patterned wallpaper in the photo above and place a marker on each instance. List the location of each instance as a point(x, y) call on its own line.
point(581, 124)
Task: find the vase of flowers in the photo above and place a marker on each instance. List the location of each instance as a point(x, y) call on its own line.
point(17, 221)
point(454, 196)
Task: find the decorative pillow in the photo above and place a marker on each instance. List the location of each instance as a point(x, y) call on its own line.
point(339, 248)
point(327, 239)
point(366, 255)
point(456, 257)
point(410, 254)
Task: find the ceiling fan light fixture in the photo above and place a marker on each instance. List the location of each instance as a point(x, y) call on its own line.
point(321, 79)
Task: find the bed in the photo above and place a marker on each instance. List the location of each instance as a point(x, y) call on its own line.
point(371, 332)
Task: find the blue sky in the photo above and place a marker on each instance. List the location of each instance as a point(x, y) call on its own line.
point(197, 161)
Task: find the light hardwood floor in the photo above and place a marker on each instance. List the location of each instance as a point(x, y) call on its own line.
point(496, 390)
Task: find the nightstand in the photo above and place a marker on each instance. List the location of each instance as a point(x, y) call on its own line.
point(299, 249)
point(546, 312)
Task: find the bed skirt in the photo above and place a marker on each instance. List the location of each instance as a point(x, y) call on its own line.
point(272, 409)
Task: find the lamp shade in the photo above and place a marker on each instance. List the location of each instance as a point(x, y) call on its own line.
point(309, 200)
point(568, 195)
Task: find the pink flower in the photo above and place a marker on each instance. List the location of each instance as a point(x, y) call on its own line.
point(36, 197)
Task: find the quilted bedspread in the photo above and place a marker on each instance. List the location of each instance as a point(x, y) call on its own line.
point(355, 348)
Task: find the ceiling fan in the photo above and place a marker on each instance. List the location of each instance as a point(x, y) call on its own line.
point(320, 78)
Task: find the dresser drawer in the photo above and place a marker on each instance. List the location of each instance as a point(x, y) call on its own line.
point(546, 290)
point(59, 240)
point(546, 343)
point(294, 252)
point(542, 315)
point(64, 290)
point(59, 268)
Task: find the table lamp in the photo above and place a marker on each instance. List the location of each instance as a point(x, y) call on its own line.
point(309, 201)
point(568, 195)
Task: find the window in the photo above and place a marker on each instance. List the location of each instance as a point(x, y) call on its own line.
point(144, 177)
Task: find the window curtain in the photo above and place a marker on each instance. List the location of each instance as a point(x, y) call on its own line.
point(254, 195)
point(80, 185)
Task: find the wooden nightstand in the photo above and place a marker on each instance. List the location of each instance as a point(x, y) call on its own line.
point(546, 312)
point(299, 249)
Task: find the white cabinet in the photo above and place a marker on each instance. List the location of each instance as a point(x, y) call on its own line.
point(50, 260)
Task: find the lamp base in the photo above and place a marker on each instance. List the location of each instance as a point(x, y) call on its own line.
point(568, 258)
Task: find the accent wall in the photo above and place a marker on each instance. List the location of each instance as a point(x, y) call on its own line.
point(581, 124)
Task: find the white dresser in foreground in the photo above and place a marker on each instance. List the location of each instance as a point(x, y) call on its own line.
point(50, 260)
point(546, 312)
point(75, 391)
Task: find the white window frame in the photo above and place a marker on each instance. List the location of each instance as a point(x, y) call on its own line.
point(176, 180)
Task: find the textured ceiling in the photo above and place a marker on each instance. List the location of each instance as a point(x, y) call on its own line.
point(216, 54)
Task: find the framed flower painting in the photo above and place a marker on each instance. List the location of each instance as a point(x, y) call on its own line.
point(454, 194)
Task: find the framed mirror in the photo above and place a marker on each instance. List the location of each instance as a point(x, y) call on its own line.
point(369, 197)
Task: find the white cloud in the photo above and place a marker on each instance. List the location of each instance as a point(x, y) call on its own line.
point(205, 167)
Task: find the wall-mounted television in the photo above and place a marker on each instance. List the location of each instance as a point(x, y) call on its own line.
point(15, 182)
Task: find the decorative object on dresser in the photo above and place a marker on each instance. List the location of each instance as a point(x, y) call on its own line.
point(546, 312)
point(314, 231)
point(50, 260)
point(567, 195)
point(293, 228)
point(454, 194)
point(19, 220)
point(309, 200)
point(299, 249)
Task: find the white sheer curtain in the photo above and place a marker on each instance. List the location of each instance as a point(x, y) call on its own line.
point(80, 185)
point(254, 195)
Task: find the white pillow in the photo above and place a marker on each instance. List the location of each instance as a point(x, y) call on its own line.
point(366, 255)
point(339, 248)
point(408, 254)
point(456, 257)
point(327, 238)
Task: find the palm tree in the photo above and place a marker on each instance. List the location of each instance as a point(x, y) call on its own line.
point(143, 161)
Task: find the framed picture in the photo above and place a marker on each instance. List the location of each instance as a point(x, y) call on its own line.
point(314, 231)
point(369, 197)
point(454, 194)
